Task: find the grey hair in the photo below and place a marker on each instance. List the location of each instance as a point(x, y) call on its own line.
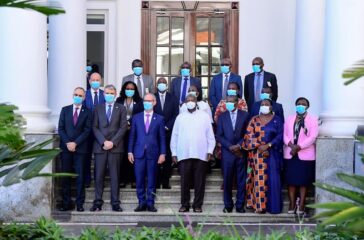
point(110, 86)
point(81, 88)
point(151, 94)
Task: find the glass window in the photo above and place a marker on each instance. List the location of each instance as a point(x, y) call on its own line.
point(176, 59)
point(177, 30)
point(162, 60)
point(217, 31)
point(202, 31)
point(162, 30)
point(96, 50)
point(95, 19)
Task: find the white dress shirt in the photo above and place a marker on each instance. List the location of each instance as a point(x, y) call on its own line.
point(141, 82)
point(192, 136)
point(223, 81)
point(202, 106)
point(79, 109)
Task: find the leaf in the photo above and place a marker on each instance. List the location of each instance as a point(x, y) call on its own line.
point(57, 175)
point(345, 215)
point(356, 226)
point(352, 179)
point(12, 177)
point(39, 152)
point(332, 205)
point(354, 73)
point(42, 144)
point(40, 6)
point(37, 165)
point(352, 195)
point(325, 214)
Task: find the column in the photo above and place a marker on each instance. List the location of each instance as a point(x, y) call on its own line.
point(344, 37)
point(23, 65)
point(309, 44)
point(67, 55)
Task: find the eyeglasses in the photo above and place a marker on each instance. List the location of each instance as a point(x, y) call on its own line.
point(225, 64)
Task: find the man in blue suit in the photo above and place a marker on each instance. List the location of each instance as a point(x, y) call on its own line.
point(147, 149)
point(94, 97)
point(276, 107)
point(74, 128)
point(220, 82)
point(167, 106)
point(258, 79)
point(180, 85)
point(231, 128)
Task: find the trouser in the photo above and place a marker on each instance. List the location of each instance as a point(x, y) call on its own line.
point(165, 169)
point(73, 162)
point(196, 169)
point(127, 174)
point(88, 159)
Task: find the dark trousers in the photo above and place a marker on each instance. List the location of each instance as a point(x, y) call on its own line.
point(165, 169)
point(145, 168)
point(127, 174)
point(73, 162)
point(112, 161)
point(234, 166)
point(88, 159)
point(193, 169)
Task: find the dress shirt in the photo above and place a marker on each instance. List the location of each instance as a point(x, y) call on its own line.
point(93, 94)
point(141, 83)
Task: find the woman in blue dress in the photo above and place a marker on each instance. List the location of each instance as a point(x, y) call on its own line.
point(263, 141)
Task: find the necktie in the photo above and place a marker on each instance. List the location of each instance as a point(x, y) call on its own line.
point(140, 85)
point(147, 122)
point(108, 114)
point(258, 89)
point(162, 101)
point(226, 83)
point(184, 89)
point(75, 117)
point(233, 119)
point(96, 99)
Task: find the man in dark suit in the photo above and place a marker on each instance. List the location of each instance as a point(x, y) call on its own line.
point(94, 97)
point(254, 82)
point(144, 82)
point(74, 128)
point(219, 83)
point(277, 108)
point(109, 127)
point(147, 149)
point(167, 106)
point(231, 128)
point(180, 85)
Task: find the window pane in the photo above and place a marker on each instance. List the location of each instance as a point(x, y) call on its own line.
point(202, 31)
point(202, 61)
point(205, 93)
point(95, 19)
point(177, 30)
point(162, 30)
point(162, 60)
point(176, 59)
point(96, 50)
point(204, 81)
point(217, 31)
point(216, 56)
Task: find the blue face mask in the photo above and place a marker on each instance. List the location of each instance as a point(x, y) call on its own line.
point(138, 70)
point(109, 98)
point(264, 96)
point(185, 72)
point(300, 109)
point(95, 84)
point(256, 68)
point(225, 69)
point(162, 87)
point(231, 92)
point(230, 106)
point(77, 100)
point(129, 92)
point(88, 68)
point(147, 105)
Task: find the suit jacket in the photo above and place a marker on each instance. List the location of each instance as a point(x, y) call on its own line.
point(70, 133)
point(215, 90)
point(147, 81)
point(149, 144)
point(137, 107)
point(277, 109)
point(227, 136)
point(113, 131)
point(305, 140)
point(88, 100)
point(176, 86)
point(170, 110)
point(270, 80)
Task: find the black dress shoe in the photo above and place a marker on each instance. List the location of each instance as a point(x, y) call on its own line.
point(95, 208)
point(117, 208)
point(184, 209)
point(240, 210)
point(80, 209)
point(140, 208)
point(197, 210)
point(152, 209)
point(227, 210)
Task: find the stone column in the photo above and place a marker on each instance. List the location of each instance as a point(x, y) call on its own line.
point(23, 65)
point(309, 43)
point(344, 37)
point(67, 54)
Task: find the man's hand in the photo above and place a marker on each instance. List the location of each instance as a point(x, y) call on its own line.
point(161, 158)
point(174, 160)
point(71, 146)
point(234, 148)
point(108, 145)
point(263, 148)
point(209, 157)
point(131, 158)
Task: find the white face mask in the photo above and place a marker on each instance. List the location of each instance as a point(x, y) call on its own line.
point(264, 109)
point(191, 105)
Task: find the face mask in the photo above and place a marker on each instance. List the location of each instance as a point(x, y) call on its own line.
point(95, 84)
point(88, 68)
point(109, 98)
point(162, 87)
point(231, 92)
point(230, 106)
point(192, 93)
point(264, 96)
point(185, 72)
point(300, 109)
point(264, 109)
point(256, 68)
point(147, 105)
point(77, 100)
point(129, 92)
point(137, 70)
point(191, 105)
point(225, 69)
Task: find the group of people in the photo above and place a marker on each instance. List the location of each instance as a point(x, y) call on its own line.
point(140, 133)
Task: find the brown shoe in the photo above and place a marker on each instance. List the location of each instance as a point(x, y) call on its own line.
point(184, 209)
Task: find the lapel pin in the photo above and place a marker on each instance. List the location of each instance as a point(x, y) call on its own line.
point(269, 84)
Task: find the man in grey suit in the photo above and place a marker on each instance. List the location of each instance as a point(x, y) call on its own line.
point(109, 127)
point(144, 82)
point(180, 85)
